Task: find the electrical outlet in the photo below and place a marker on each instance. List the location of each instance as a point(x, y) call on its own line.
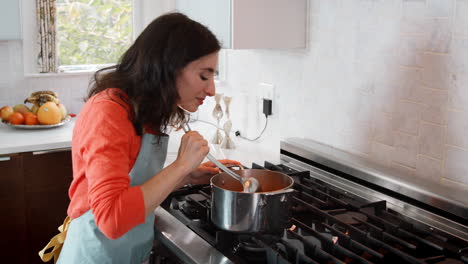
point(267, 90)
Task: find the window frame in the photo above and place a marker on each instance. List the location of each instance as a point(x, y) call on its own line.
point(144, 11)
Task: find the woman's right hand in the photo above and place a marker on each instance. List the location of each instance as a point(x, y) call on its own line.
point(193, 149)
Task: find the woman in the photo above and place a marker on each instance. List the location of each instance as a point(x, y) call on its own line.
point(119, 143)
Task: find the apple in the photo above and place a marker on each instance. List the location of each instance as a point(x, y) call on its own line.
point(21, 108)
point(63, 109)
point(5, 113)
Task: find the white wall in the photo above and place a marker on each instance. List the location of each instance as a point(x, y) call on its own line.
point(15, 87)
point(383, 79)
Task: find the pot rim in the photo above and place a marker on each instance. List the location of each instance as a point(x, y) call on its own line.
point(269, 192)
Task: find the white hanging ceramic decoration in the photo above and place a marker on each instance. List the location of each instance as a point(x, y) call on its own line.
point(227, 142)
point(217, 114)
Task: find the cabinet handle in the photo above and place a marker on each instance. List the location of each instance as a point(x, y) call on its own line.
point(5, 158)
point(42, 152)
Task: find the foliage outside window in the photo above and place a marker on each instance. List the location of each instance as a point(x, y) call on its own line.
point(92, 32)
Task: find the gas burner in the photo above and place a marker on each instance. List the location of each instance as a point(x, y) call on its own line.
point(194, 206)
point(195, 197)
point(247, 247)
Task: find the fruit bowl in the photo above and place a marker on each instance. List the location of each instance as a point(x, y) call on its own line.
point(66, 120)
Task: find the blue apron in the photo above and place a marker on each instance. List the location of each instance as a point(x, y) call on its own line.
point(85, 243)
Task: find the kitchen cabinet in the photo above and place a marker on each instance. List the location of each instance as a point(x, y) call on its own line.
point(34, 200)
point(251, 24)
point(13, 205)
point(10, 20)
point(47, 175)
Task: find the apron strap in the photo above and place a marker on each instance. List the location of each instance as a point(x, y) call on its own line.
point(55, 243)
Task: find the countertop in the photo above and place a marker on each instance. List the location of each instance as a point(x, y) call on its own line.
point(14, 140)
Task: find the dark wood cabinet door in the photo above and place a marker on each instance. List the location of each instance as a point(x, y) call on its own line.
point(47, 178)
point(13, 242)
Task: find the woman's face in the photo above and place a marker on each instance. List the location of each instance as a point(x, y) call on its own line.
point(196, 82)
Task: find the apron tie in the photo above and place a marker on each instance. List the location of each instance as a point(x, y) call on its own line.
point(55, 243)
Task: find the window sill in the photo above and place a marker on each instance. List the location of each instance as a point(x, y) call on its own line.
point(59, 74)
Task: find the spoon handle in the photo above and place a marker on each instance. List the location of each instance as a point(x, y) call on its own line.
point(223, 168)
point(210, 157)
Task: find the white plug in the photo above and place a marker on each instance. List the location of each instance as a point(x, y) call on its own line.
point(267, 90)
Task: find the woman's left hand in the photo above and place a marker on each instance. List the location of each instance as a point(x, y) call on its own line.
point(205, 171)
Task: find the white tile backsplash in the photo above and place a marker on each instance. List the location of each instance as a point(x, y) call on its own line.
point(403, 170)
point(457, 129)
point(434, 114)
point(459, 55)
point(383, 129)
point(407, 116)
point(430, 140)
point(461, 19)
point(408, 84)
point(388, 9)
point(440, 8)
point(415, 8)
point(440, 35)
point(458, 95)
point(381, 153)
point(436, 70)
point(433, 97)
point(428, 168)
point(435, 108)
point(415, 25)
point(384, 79)
point(405, 149)
point(411, 50)
point(456, 167)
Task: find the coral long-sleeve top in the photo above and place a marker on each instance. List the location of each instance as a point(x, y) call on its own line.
point(104, 148)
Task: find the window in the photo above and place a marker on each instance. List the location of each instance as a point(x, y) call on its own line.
point(92, 33)
point(82, 52)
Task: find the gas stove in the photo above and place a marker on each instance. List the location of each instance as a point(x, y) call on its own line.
point(335, 218)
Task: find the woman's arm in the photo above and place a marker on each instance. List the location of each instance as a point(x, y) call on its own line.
point(104, 143)
point(192, 151)
point(105, 148)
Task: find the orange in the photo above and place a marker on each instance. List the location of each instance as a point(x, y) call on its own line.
point(16, 118)
point(30, 119)
point(49, 114)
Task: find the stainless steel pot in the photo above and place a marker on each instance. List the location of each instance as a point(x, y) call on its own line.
point(266, 210)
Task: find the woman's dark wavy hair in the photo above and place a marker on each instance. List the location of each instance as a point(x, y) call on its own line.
point(146, 74)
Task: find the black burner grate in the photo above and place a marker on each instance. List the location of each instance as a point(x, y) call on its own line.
point(328, 225)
